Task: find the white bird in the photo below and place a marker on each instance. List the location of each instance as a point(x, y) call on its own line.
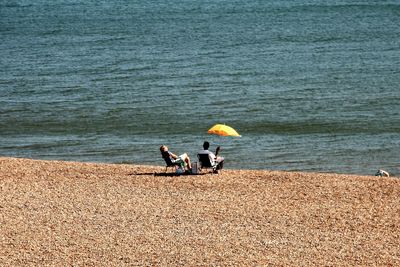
point(382, 173)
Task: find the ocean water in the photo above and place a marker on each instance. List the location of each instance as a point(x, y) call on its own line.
point(310, 85)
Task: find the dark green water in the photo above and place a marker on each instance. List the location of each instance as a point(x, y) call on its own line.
point(310, 85)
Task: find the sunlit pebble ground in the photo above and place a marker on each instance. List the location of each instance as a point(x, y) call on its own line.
point(67, 213)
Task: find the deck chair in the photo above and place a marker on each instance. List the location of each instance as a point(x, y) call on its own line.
point(205, 162)
point(170, 164)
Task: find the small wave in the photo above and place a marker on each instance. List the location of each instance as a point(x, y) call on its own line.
point(51, 32)
point(310, 127)
point(15, 5)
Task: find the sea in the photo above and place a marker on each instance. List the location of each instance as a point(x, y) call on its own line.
point(310, 85)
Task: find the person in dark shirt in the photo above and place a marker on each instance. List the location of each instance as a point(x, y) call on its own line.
point(184, 158)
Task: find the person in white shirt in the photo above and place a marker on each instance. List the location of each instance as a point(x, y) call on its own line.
point(214, 158)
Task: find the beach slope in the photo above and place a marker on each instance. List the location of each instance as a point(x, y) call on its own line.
point(68, 213)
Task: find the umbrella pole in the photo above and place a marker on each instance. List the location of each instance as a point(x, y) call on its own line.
point(217, 150)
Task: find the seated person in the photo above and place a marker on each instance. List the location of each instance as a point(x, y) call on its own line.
point(184, 158)
point(214, 159)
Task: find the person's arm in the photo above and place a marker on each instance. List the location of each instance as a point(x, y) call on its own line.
point(173, 155)
point(211, 155)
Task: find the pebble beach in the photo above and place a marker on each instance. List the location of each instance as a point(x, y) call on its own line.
point(56, 213)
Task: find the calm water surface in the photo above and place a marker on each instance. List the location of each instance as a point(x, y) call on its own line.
point(310, 85)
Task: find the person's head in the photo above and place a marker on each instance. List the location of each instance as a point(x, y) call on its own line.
point(206, 145)
point(163, 148)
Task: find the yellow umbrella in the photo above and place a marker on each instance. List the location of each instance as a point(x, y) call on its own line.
point(222, 129)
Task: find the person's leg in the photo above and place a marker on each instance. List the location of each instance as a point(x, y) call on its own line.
point(188, 162)
point(220, 161)
point(186, 158)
